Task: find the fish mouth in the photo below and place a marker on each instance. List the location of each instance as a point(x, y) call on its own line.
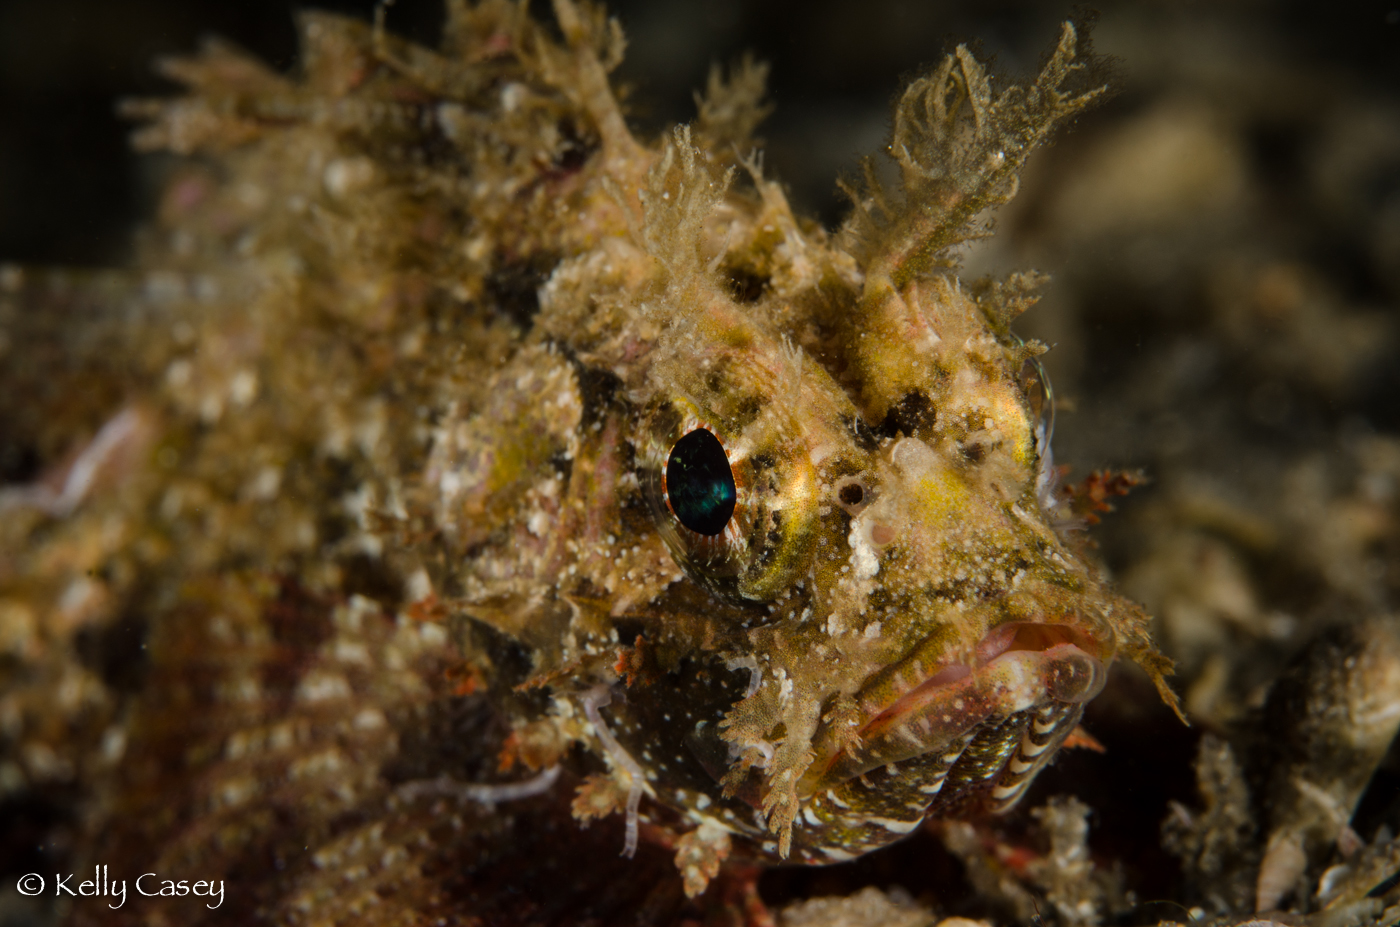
point(920, 708)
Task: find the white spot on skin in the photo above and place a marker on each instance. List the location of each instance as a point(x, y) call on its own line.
point(346, 176)
point(351, 652)
point(865, 562)
point(369, 719)
point(512, 95)
point(322, 687)
point(177, 375)
point(784, 687)
point(264, 485)
point(243, 388)
point(419, 586)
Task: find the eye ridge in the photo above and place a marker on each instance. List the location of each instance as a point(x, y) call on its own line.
point(699, 483)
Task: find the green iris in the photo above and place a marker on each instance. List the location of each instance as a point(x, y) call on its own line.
point(699, 483)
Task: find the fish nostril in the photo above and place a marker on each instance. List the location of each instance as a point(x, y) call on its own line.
point(853, 495)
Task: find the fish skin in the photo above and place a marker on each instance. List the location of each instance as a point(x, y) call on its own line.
point(461, 315)
point(862, 361)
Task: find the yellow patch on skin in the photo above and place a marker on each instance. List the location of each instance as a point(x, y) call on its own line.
point(467, 342)
point(937, 494)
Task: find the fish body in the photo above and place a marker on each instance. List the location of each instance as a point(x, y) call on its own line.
point(768, 511)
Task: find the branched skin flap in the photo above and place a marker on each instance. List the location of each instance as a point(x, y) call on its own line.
point(847, 609)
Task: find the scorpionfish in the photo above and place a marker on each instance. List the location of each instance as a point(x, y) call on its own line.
point(769, 510)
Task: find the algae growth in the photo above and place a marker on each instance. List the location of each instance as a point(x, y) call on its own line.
point(234, 595)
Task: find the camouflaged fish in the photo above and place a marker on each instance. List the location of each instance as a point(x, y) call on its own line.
point(770, 510)
point(821, 506)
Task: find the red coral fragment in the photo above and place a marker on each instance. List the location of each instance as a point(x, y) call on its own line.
point(1091, 496)
point(1016, 857)
point(636, 664)
point(510, 752)
point(1082, 738)
point(429, 608)
point(465, 680)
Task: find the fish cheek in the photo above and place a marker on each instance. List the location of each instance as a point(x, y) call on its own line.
point(671, 727)
point(785, 523)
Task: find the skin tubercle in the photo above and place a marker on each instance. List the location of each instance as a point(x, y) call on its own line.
point(425, 332)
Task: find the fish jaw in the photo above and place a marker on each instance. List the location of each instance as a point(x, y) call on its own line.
point(924, 705)
point(947, 739)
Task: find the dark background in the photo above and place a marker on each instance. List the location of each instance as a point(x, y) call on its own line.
point(70, 190)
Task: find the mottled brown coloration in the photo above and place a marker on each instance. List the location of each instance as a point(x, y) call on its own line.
point(359, 417)
point(404, 361)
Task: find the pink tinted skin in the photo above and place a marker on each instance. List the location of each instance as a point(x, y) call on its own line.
point(1018, 667)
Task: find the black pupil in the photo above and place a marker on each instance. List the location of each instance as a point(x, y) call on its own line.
point(700, 484)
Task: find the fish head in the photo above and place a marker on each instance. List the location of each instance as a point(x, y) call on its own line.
point(920, 638)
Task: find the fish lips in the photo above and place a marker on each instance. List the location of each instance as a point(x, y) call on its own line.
point(1016, 667)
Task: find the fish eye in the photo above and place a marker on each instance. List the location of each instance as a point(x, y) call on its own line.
point(699, 483)
point(737, 503)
